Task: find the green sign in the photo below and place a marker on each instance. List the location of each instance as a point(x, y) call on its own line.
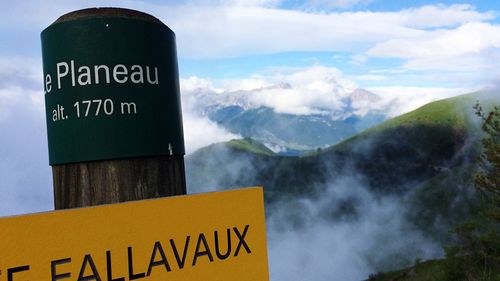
point(111, 90)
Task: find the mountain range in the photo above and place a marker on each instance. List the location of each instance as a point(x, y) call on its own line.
point(285, 133)
point(424, 160)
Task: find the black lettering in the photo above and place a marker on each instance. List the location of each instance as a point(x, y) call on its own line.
point(131, 274)
point(217, 250)
point(95, 275)
point(201, 238)
point(180, 261)
point(109, 269)
point(152, 262)
point(54, 264)
point(241, 238)
point(11, 271)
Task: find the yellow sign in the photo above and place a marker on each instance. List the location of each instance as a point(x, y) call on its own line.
point(211, 236)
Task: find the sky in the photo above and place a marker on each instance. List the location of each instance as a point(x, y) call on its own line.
point(416, 51)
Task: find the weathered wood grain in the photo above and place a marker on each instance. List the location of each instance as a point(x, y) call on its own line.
point(113, 181)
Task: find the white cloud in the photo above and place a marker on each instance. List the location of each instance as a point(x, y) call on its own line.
point(304, 91)
point(400, 100)
point(320, 90)
point(194, 83)
point(20, 86)
point(370, 77)
point(19, 70)
point(25, 177)
point(235, 27)
point(305, 244)
point(472, 49)
point(314, 90)
point(14, 98)
point(235, 31)
point(316, 77)
point(334, 4)
point(430, 16)
point(245, 84)
point(199, 131)
point(476, 66)
point(359, 59)
point(470, 38)
point(250, 3)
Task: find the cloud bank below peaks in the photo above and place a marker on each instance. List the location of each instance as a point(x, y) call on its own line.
point(309, 91)
point(315, 90)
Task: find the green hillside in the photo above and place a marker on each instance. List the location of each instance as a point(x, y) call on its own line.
point(478, 253)
point(448, 112)
point(414, 147)
point(250, 145)
point(424, 158)
point(454, 112)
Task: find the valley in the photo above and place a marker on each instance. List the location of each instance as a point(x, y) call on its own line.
point(418, 165)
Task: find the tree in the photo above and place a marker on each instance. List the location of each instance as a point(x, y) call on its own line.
point(476, 256)
point(487, 180)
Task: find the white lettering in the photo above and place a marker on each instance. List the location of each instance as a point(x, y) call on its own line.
point(117, 72)
point(138, 73)
point(48, 82)
point(84, 72)
point(96, 72)
point(82, 75)
point(72, 63)
point(61, 74)
point(156, 76)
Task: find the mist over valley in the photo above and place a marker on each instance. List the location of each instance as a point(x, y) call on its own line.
point(375, 202)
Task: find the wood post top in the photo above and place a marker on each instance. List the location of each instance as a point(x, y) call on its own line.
point(107, 12)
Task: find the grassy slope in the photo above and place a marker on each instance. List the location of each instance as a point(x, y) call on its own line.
point(250, 145)
point(406, 148)
point(433, 190)
point(442, 112)
point(452, 112)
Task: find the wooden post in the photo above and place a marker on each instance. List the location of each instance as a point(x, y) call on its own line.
point(111, 181)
